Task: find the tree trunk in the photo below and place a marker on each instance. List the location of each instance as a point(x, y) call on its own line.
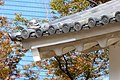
point(88, 75)
point(66, 70)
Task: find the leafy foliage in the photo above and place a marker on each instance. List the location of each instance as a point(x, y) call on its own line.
point(10, 52)
point(10, 55)
point(67, 7)
point(29, 72)
point(79, 65)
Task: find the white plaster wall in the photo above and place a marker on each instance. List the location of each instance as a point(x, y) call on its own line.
point(115, 62)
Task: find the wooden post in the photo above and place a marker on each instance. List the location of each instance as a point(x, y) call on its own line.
point(36, 54)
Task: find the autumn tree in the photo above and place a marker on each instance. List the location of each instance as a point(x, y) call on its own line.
point(10, 52)
point(75, 65)
point(67, 7)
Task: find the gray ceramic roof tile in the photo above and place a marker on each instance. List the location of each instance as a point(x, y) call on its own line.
point(99, 15)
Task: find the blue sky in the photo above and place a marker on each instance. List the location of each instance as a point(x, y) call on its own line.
point(39, 9)
point(29, 8)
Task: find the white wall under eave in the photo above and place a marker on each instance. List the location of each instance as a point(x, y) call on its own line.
point(115, 62)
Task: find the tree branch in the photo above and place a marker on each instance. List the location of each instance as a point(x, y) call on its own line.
point(88, 75)
point(93, 2)
point(67, 72)
point(66, 69)
point(60, 64)
point(88, 72)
